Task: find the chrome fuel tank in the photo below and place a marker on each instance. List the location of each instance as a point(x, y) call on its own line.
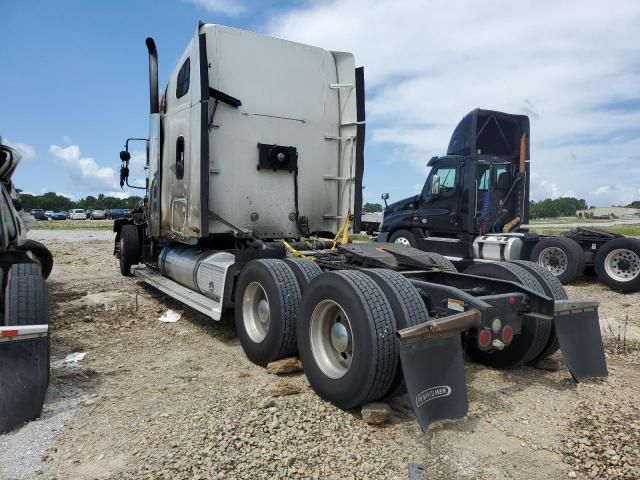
point(497, 247)
point(201, 270)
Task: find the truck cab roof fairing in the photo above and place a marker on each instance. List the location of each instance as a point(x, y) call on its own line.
point(489, 132)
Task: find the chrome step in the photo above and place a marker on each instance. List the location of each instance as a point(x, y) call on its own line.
point(195, 300)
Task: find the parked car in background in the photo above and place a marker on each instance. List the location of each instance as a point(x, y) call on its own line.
point(48, 213)
point(98, 214)
point(58, 216)
point(88, 211)
point(77, 214)
point(114, 213)
point(38, 214)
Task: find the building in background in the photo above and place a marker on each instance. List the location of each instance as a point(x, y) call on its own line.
point(608, 212)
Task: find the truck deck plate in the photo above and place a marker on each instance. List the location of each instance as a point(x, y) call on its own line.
point(195, 300)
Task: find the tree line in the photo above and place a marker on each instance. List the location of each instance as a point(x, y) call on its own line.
point(558, 207)
point(58, 203)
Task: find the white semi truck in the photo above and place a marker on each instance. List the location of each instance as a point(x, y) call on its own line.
point(24, 321)
point(255, 163)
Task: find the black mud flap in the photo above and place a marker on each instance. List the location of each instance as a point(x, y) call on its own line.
point(578, 329)
point(434, 374)
point(24, 377)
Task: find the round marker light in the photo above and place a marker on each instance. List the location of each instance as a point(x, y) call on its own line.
point(507, 334)
point(484, 338)
point(512, 300)
point(495, 325)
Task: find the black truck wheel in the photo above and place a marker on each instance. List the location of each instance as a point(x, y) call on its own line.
point(442, 261)
point(404, 237)
point(554, 289)
point(346, 338)
point(533, 338)
point(130, 249)
point(562, 256)
point(24, 364)
point(617, 264)
point(407, 306)
point(266, 303)
point(305, 270)
point(40, 254)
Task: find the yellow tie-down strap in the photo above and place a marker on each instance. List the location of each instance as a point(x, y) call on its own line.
point(342, 237)
point(295, 252)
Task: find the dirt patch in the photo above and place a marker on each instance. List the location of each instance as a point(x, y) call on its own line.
point(181, 400)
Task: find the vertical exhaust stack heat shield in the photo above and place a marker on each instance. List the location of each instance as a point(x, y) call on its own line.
point(154, 99)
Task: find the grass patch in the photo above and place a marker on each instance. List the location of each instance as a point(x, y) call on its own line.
point(626, 230)
point(566, 220)
point(63, 225)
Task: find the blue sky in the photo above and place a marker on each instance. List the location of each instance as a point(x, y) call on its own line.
point(74, 82)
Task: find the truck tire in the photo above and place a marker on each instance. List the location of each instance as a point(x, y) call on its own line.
point(41, 255)
point(554, 289)
point(562, 256)
point(130, 249)
point(24, 364)
point(442, 261)
point(340, 308)
point(267, 298)
point(407, 306)
point(535, 333)
point(404, 237)
point(617, 264)
point(305, 270)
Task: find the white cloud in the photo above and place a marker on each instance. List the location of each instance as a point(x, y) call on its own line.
point(616, 194)
point(569, 65)
point(85, 172)
point(27, 151)
point(227, 7)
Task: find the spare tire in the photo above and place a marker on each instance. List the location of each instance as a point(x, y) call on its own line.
point(346, 338)
point(617, 264)
point(562, 256)
point(533, 338)
point(24, 364)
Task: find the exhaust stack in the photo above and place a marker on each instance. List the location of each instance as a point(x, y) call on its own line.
point(154, 99)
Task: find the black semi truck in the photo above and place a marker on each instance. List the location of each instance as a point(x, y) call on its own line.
point(475, 203)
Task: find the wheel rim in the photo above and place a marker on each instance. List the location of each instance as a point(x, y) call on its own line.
point(403, 241)
point(256, 314)
point(554, 259)
point(622, 265)
point(331, 339)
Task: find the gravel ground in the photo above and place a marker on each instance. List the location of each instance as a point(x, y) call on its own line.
point(155, 400)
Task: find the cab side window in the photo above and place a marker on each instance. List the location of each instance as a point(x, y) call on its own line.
point(447, 179)
point(182, 84)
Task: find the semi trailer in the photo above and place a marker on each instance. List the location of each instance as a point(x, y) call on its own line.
point(255, 163)
point(474, 208)
point(24, 321)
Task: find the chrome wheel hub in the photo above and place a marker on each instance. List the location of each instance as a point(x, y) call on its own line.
point(622, 265)
point(331, 339)
point(256, 313)
point(554, 260)
point(403, 241)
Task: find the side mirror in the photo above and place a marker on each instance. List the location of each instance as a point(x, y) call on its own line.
point(125, 156)
point(385, 197)
point(435, 185)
